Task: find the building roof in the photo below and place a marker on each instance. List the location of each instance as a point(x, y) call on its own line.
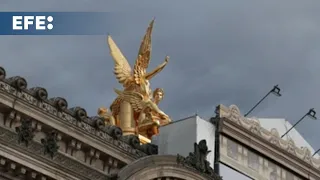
point(58, 106)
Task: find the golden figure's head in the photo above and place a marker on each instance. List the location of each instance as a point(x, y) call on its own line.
point(158, 95)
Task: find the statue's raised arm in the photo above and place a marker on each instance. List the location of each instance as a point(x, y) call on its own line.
point(158, 69)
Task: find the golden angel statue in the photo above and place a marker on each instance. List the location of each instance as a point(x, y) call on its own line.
point(135, 103)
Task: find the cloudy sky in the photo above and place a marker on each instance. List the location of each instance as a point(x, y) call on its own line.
point(229, 52)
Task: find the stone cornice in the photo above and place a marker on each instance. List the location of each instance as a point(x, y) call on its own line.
point(249, 132)
point(43, 110)
point(33, 155)
point(11, 169)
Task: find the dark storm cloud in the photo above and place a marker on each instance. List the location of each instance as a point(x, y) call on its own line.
point(229, 52)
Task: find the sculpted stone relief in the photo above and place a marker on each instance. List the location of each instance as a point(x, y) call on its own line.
point(232, 113)
point(36, 150)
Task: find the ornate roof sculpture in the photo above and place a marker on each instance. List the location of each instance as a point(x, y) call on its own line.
point(135, 110)
point(198, 160)
point(233, 114)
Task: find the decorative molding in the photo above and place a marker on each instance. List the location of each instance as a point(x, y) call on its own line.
point(233, 115)
point(35, 150)
point(14, 170)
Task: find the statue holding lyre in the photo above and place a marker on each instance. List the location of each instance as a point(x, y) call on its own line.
point(134, 103)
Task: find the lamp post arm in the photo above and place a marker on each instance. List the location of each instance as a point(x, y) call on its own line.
point(294, 126)
point(257, 104)
point(315, 152)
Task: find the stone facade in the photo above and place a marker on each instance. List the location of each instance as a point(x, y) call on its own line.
point(260, 153)
point(42, 138)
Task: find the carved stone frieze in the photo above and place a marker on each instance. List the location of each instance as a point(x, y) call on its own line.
point(36, 151)
point(233, 114)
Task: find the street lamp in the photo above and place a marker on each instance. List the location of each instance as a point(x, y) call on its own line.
point(275, 90)
point(315, 152)
point(311, 113)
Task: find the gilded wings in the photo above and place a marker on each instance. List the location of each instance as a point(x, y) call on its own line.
point(144, 55)
point(122, 69)
point(134, 98)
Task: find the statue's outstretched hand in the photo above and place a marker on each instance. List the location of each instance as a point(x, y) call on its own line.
point(164, 116)
point(167, 59)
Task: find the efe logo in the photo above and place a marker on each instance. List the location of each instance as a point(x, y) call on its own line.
point(39, 22)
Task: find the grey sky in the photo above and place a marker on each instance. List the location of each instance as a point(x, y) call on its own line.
point(229, 52)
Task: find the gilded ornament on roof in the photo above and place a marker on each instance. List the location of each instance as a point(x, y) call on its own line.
point(135, 109)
